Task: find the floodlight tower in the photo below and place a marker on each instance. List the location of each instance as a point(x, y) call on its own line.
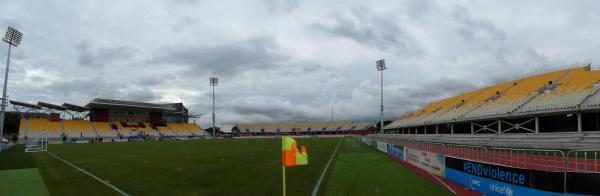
point(380, 64)
point(13, 38)
point(214, 81)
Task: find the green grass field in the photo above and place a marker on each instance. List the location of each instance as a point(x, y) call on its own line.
point(217, 167)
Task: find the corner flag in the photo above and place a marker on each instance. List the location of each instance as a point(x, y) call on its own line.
point(291, 156)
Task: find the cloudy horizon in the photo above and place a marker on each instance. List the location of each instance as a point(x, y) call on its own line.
point(287, 60)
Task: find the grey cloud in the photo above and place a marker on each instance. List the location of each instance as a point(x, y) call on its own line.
point(270, 109)
point(281, 6)
point(94, 87)
point(382, 32)
point(490, 42)
point(224, 60)
point(90, 56)
point(142, 94)
point(408, 98)
point(148, 81)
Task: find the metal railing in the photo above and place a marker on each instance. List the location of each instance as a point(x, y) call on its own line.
point(583, 161)
point(471, 152)
point(536, 159)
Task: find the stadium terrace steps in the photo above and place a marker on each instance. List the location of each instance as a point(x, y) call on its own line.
point(179, 129)
point(78, 129)
point(557, 91)
point(125, 131)
point(104, 130)
point(194, 129)
point(166, 131)
point(39, 127)
point(516, 96)
point(585, 140)
point(569, 93)
point(150, 131)
point(289, 127)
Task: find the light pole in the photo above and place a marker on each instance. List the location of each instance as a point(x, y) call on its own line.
point(380, 64)
point(213, 82)
point(13, 38)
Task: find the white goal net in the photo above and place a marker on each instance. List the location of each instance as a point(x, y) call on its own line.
point(38, 144)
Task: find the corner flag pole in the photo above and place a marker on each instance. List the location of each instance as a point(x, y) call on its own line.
point(283, 169)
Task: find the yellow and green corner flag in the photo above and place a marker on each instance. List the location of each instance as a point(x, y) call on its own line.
point(291, 156)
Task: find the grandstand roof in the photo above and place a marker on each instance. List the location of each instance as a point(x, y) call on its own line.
point(74, 107)
point(111, 103)
point(51, 106)
point(23, 104)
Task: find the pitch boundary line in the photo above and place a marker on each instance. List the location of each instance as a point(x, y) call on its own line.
point(316, 189)
point(443, 183)
point(90, 174)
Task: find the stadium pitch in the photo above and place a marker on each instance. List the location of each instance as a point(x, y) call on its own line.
point(220, 167)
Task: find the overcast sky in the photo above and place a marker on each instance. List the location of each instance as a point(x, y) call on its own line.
point(287, 60)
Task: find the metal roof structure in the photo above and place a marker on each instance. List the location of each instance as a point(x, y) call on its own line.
point(51, 106)
point(74, 107)
point(111, 103)
point(23, 104)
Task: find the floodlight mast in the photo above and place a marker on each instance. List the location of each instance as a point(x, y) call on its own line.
point(214, 81)
point(380, 64)
point(13, 38)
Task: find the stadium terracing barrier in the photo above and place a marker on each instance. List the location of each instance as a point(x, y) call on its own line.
point(499, 170)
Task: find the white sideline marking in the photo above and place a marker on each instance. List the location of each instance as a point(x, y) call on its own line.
point(90, 174)
point(114, 158)
point(448, 187)
point(316, 189)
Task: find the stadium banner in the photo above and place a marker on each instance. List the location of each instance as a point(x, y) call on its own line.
point(373, 143)
point(583, 183)
point(492, 179)
point(431, 162)
point(382, 146)
point(396, 151)
point(365, 140)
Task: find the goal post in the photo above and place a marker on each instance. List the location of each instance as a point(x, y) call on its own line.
point(38, 144)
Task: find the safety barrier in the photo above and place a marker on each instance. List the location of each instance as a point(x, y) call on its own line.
point(551, 172)
point(583, 160)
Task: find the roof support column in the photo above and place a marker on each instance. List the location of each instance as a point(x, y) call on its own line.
point(425, 129)
point(578, 122)
point(472, 128)
point(499, 127)
point(437, 130)
point(537, 124)
point(451, 128)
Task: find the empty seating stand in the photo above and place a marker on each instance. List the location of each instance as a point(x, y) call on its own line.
point(39, 127)
point(104, 130)
point(179, 129)
point(78, 129)
point(528, 104)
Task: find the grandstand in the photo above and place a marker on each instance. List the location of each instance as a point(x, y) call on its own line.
point(304, 128)
point(104, 119)
point(564, 100)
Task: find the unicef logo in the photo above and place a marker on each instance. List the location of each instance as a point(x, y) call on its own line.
point(509, 191)
point(475, 184)
point(502, 189)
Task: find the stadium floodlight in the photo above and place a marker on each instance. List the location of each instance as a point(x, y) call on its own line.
point(380, 65)
point(13, 38)
point(214, 81)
